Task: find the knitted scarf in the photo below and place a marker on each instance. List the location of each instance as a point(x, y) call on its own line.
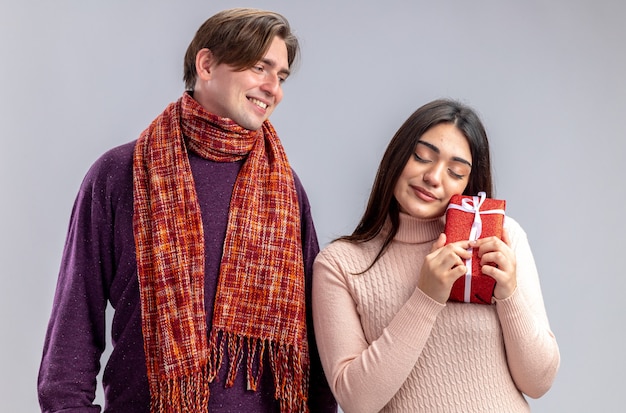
point(259, 305)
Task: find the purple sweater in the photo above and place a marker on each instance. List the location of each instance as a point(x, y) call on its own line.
point(99, 267)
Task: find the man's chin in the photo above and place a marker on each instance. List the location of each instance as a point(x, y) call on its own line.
point(253, 125)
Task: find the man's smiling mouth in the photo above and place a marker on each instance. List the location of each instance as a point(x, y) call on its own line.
point(258, 103)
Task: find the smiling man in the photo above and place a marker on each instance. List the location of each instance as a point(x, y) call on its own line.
point(187, 232)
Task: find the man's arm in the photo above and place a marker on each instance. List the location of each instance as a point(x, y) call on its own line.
point(75, 338)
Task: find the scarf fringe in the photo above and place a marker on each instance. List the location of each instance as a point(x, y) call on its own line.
point(188, 394)
point(290, 371)
point(292, 384)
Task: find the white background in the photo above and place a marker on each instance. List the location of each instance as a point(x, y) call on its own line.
point(548, 78)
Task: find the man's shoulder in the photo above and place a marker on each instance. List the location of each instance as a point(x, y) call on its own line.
point(117, 156)
point(112, 167)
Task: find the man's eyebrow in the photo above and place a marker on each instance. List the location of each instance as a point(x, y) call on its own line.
point(271, 63)
point(436, 150)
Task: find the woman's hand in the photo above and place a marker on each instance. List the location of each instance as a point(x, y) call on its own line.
point(442, 267)
point(498, 261)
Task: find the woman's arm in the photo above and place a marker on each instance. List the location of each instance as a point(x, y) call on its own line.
point(532, 351)
point(364, 376)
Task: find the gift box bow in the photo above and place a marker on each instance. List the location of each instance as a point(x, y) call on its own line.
point(474, 286)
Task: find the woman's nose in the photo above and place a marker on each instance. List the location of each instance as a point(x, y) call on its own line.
point(432, 175)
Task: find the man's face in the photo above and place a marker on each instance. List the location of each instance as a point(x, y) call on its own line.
point(250, 96)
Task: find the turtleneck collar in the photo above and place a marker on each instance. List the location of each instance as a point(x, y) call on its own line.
point(416, 230)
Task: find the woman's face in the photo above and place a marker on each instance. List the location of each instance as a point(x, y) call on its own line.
point(439, 168)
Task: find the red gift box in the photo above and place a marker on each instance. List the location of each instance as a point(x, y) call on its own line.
point(471, 218)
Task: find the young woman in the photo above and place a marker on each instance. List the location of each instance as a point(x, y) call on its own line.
point(388, 337)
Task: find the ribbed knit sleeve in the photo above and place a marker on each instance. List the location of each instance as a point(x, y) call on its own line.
point(371, 327)
point(349, 358)
point(532, 351)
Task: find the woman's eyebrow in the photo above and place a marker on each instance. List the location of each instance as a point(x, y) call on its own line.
point(429, 145)
point(436, 150)
point(461, 160)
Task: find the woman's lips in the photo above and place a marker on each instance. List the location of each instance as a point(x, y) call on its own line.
point(424, 194)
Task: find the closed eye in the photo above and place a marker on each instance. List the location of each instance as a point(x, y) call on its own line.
point(420, 159)
point(455, 175)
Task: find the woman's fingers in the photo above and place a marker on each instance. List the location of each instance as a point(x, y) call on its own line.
point(442, 267)
point(498, 261)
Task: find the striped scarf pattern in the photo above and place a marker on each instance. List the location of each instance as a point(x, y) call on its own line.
point(259, 307)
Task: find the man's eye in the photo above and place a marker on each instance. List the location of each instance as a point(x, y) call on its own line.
point(257, 69)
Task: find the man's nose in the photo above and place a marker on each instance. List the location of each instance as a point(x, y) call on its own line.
point(271, 84)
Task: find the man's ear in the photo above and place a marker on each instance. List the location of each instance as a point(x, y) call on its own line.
point(204, 64)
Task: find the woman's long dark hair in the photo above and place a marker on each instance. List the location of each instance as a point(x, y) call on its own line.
point(382, 203)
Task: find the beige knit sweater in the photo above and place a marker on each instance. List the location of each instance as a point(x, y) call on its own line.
point(386, 346)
